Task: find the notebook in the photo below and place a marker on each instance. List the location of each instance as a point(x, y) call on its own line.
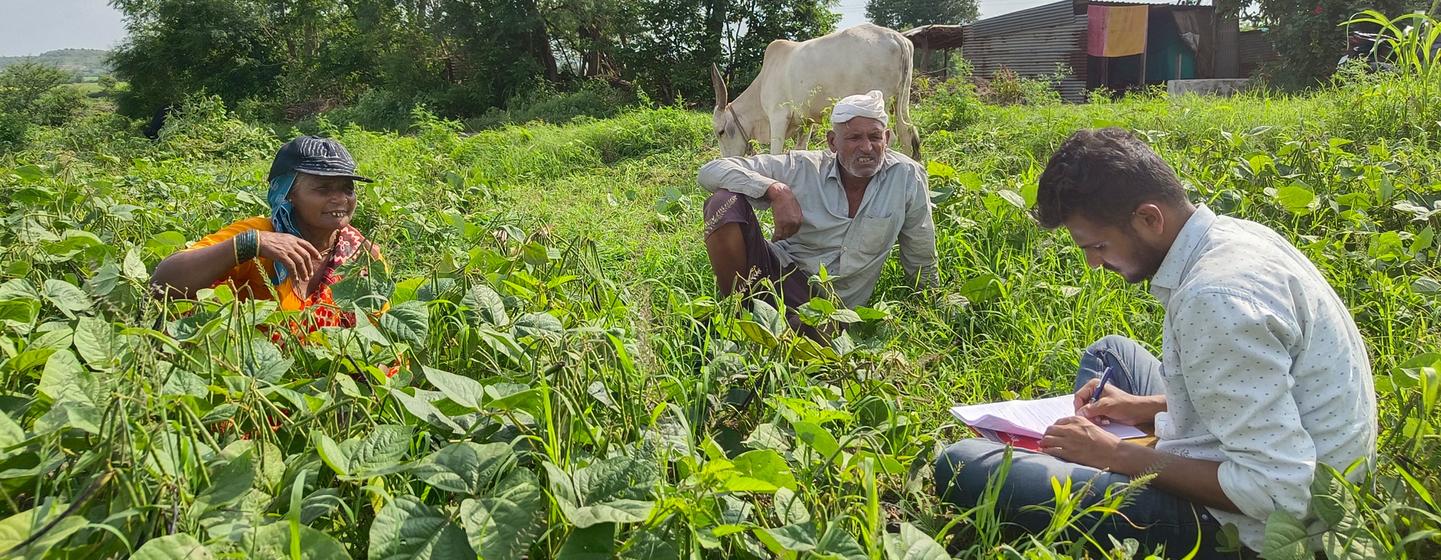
point(1021, 423)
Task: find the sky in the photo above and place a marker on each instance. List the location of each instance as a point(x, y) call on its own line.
point(29, 27)
point(854, 11)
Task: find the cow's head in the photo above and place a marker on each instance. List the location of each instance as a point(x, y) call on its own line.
point(729, 134)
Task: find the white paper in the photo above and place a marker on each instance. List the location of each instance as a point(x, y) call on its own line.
point(1029, 418)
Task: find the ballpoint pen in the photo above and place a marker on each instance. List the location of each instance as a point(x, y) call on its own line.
point(1105, 377)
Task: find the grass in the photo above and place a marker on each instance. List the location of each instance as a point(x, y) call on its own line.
point(557, 273)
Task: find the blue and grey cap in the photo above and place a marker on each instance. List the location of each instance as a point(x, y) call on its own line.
point(316, 156)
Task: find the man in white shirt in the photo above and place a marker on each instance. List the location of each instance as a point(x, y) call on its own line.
point(841, 209)
point(1262, 375)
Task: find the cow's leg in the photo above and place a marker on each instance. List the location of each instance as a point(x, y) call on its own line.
point(911, 141)
point(804, 140)
point(780, 128)
point(910, 138)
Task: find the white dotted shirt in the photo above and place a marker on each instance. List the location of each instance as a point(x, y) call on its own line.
point(1264, 368)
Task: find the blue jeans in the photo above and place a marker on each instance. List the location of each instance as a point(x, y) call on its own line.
point(1150, 516)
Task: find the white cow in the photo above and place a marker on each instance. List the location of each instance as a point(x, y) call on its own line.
point(798, 81)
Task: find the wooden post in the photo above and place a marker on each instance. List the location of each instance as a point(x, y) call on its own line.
point(1145, 46)
point(925, 56)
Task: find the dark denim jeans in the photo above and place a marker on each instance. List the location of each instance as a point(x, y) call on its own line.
point(1150, 516)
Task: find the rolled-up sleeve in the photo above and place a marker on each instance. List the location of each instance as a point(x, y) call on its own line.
point(749, 176)
point(918, 236)
point(1237, 371)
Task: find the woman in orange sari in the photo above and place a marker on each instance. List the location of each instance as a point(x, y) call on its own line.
point(292, 255)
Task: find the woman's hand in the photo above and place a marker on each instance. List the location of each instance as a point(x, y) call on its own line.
point(295, 254)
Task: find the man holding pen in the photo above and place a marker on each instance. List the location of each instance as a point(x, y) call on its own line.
point(1262, 372)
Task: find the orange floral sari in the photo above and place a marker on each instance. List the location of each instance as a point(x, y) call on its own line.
point(252, 279)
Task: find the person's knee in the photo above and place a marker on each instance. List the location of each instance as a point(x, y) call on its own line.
point(967, 451)
point(1103, 353)
point(718, 202)
point(955, 457)
point(1113, 343)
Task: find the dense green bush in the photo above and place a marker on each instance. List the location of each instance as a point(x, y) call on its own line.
point(593, 98)
point(202, 127)
point(32, 94)
point(23, 85)
point(1310, 35)
point(376, 110)
point(952, 104)
point(58, 106)
point(12, 131)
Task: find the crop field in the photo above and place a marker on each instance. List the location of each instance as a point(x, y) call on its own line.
point(567, 386)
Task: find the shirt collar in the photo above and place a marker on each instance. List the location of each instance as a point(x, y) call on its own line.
point(1178, 259)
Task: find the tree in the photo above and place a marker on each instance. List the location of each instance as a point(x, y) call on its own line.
point(503, 46)
point(1308, 34)
point(229, 48)
point(23, 85)
point(664, 49)
point(905, 14)
point(286, 59)
point(32, 94)
point(589, 34)
point(755, 23)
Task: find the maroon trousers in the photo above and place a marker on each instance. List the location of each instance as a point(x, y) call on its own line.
point(724, 208)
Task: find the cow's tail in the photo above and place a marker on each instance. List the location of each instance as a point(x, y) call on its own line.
point(910, 138)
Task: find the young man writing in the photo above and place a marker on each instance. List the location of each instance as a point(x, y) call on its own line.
point(1262, 375)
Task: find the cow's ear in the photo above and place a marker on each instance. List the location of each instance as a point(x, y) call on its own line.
point(719, 83)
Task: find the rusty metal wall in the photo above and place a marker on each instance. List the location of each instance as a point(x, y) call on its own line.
point(1031, 43)
point(1253, 49)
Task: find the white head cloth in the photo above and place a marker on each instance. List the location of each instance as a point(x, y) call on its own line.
point(871, 104)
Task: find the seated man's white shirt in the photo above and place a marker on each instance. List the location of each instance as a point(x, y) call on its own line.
point(895, 208)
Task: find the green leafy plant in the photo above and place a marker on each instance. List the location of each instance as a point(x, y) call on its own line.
point(540, 370)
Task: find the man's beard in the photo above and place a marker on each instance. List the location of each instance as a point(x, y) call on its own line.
point(1148, 258)
point(1151, 259)
point(862, 172)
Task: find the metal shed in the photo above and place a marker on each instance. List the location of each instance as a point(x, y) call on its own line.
point(1183, 39)
point(1254, 50)
point(1032, 43)
point(931, 38)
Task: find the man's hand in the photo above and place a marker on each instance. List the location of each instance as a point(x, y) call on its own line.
point(297, 254)
point(785, 209)
point(1116, 405)
point(1077, 440)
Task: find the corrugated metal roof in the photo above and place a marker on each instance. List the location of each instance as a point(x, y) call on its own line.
point(1080, 5)
point(1178, 3)
point(935, 36)
point(1034, 41)
point(1028, 18)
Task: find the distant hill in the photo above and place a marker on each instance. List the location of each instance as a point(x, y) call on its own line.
point(83, 62)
